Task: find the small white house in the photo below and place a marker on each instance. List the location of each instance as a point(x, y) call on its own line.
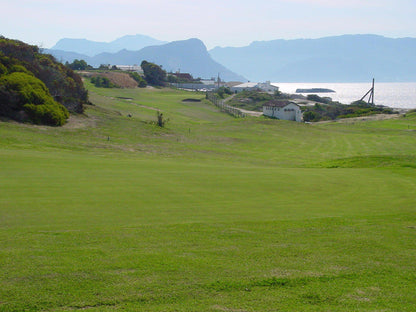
point(283, 110)
point(249, 86)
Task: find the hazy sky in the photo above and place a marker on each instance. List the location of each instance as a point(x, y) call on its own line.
point(216, 22)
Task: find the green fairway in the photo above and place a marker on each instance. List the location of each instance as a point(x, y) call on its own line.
point(211, 213)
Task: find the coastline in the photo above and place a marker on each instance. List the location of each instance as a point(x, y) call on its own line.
point(395, 95)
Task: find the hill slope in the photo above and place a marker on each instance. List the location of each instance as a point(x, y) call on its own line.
point(348, 58)
point(35, 87)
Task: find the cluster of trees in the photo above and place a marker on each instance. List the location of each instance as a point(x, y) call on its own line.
point(154, 74)
point(78, 65)
point(35, 87)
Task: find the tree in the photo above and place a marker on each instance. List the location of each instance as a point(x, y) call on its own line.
point(78, 65)
point(222, 91)
point(153, 74)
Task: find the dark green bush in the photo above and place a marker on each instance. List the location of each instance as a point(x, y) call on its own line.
point(140, 81)
point(317, 98)
point(310, 116)
point(19, 69)
point(102, 82)
point(65, 85)
point(3, 69)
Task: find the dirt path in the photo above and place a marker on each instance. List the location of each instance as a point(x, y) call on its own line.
point(247, 112)
point(363, 118)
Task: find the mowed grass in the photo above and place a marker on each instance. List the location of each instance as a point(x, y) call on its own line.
point(212, 213)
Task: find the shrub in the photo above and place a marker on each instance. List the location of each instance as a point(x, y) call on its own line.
point(3, 69)
point(317, 98)
point(140, 81)
point(62, 82)
point(19, 69)
point(102, 82)
point(50, 113)
point(310, 116)
point(222, 91)
point(23, 92)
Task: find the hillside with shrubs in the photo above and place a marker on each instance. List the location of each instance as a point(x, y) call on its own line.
point(36, 88)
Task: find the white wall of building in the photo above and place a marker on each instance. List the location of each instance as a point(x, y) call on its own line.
point(289, 112)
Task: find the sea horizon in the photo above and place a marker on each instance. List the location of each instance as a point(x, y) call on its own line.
point(391, 94)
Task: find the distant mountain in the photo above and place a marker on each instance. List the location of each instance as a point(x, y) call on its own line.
point(65, 56)
point(347, 58)
point(91, 48)
point(187, 56)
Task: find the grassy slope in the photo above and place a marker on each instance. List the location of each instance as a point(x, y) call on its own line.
point(210, 214)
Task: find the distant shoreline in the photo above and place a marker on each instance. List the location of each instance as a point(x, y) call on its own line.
point(396, 95)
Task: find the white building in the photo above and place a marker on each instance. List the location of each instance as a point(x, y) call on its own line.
point(131, 68)
point(283, 110)
point(249, 86)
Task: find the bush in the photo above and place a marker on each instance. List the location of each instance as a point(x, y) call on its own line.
point(3, 69)
point(23, 92)
point(102, 82)
point(19, 69)
point(317, 98)
point(140, 81)
point(310, 116)
point(51, 113)
point(62, 82)
point(222, 91)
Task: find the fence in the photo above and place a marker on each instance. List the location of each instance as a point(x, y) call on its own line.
point(220, 103)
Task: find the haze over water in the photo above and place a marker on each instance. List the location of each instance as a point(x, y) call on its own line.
point(392, 94)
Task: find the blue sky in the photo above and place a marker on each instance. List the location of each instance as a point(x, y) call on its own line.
point(216, 22)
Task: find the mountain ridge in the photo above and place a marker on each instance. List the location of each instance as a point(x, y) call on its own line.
point(345, 58)
point(92, 48)
point(189, 55)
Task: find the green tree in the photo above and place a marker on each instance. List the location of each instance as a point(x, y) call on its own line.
point(153, 74)
point(222, 91)
point(78, 65)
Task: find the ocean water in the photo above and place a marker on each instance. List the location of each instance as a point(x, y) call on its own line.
point(395, 94)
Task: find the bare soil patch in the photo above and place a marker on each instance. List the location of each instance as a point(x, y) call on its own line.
point(122, 80)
